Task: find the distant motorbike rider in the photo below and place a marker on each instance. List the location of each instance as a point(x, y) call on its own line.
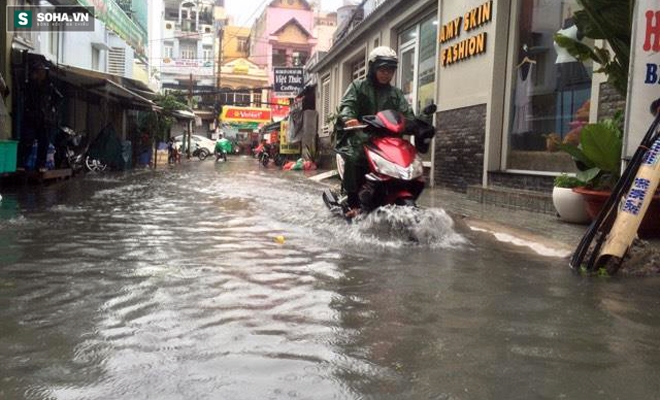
point(367, 97)
point(222, 147)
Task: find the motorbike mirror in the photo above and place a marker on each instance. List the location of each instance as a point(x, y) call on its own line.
point(430, 109)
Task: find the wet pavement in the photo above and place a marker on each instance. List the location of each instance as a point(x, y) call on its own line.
point(231, 281)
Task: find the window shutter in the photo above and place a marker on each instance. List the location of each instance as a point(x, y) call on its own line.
point(117, 61)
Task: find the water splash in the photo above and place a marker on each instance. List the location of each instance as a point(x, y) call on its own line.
point(395, 226)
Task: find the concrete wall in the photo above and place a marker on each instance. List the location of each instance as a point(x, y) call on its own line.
point(77, 47)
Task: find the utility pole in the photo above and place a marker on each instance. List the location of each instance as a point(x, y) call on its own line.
point(191, 122)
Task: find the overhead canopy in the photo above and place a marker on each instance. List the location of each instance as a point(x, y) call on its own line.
point(105, 85)
point(183, 114)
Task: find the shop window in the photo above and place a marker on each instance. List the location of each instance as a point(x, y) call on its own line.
point(325, 105)
point(242, 45)
point(256, 99)
point(279, 58)
point(208, 54)
point(417, 56)
point(96, 57)
point(299, 58)
point(358, 70)
point(167, 51)
point(243, 97)
point(188, 52)
point(551, 90)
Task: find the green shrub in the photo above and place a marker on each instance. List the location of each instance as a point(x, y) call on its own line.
point(566, 181)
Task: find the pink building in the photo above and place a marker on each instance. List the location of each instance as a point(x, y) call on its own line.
point(283, 35)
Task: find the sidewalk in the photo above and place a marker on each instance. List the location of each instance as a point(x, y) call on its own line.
point(535, 228)
point(544, 233)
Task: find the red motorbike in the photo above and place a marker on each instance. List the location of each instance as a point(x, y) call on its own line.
point(395, 170)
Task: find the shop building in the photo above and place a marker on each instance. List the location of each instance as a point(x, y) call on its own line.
point(91, 78)
point(188, 56)
point(501, 85)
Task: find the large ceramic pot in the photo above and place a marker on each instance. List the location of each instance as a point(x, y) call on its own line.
point(570, 205)
point(650, 226)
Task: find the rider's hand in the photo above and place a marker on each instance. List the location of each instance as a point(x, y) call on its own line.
point(351, 122)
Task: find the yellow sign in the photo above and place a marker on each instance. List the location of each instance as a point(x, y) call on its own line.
point(470, 46)
point(285, 146)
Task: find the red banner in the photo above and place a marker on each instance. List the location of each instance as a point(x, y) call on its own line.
point(245, 114)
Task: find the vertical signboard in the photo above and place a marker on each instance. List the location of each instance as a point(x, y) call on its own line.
point(644, 75)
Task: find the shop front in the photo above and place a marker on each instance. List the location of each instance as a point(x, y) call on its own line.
point(507, 93)
point(241, 124)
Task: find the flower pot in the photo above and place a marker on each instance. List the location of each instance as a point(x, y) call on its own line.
point(650, 226)
point(570, 206)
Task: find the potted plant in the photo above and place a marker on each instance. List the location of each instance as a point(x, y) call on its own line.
point(598, 157)
point(570, 205)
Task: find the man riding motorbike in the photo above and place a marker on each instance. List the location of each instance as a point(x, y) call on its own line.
point(222, 147)
point(366, 97)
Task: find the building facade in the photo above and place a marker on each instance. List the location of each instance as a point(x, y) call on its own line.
point(501, 84)
point(188, 63)
point(92, 74)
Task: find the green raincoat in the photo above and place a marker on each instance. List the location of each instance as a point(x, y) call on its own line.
point(363, 98)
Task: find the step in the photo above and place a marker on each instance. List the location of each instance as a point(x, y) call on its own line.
point(516, 199)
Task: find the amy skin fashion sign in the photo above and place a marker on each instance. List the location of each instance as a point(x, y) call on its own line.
point(472, 45)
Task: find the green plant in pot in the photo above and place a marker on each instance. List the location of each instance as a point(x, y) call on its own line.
point(598, 156)
point(570, 205)
point(567, 181)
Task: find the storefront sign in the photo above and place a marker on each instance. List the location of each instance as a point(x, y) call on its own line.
point(471, 46)
point(279, 107)
point(245, 114)
point(644, 80)
point(288, 82)
point(285, 146)
point(183, 66)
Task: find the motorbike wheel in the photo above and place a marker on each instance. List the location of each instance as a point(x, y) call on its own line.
point(202, 154)
point(264, 160)
point(93, 164)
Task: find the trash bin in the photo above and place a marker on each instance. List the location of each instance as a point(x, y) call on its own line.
point(8, 150)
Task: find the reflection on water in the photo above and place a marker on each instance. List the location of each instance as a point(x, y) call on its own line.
point(169, 285)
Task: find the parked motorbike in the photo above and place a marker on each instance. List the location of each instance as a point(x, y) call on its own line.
point(268, 153)
point(71, 153)
point(200, 152)
point(395, 169)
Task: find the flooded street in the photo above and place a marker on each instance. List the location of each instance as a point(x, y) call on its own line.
point(231, 281)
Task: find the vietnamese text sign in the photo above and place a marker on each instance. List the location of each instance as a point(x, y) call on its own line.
point(644, 75)
point(288, 82)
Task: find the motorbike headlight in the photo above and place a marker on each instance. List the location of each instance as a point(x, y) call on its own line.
point(385, 167)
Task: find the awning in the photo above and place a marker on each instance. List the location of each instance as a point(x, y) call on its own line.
point(183, 114)
point(104, 85)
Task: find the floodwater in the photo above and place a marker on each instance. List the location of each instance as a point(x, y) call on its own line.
point(231, 281)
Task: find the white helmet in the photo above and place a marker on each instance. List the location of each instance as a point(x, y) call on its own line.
point(383, 56)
